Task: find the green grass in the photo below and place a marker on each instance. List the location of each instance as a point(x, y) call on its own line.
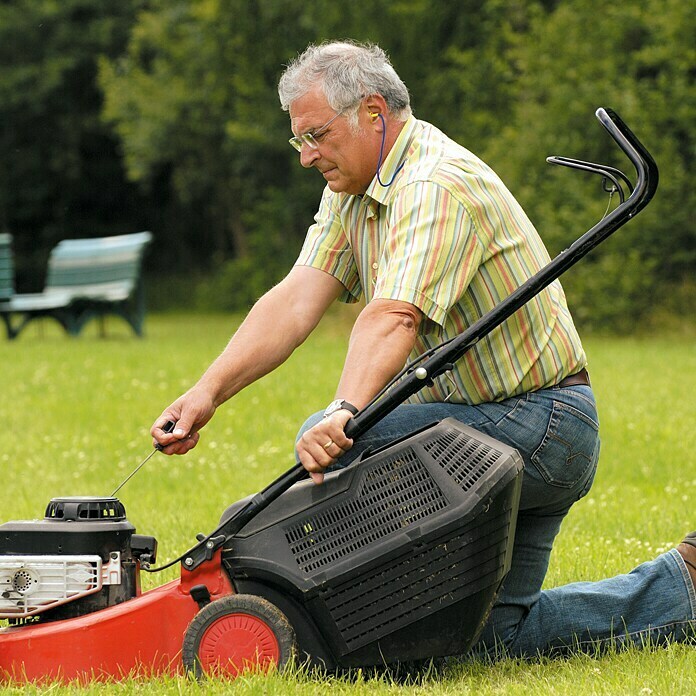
point(76, 415)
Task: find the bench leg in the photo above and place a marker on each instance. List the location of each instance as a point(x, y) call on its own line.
point(132, 318)
point(63, 318)
point(73, 320)
point(67, 320)
point(11, 332)
point(132, 315)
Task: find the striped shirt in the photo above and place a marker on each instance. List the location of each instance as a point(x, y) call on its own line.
point(448, 237)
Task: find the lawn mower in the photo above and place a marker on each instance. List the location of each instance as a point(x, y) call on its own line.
point(396, 558)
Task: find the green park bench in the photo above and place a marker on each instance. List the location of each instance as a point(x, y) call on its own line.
point(86, 278)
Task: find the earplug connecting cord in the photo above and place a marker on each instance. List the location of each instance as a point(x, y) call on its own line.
point(381, 155)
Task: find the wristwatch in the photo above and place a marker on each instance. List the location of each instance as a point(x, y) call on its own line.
point(338, 405)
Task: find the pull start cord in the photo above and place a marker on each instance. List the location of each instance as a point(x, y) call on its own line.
point(168, 427)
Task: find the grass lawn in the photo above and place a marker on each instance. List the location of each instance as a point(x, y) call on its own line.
point(76, 415)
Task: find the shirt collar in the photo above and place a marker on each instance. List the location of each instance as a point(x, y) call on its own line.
point(391, 163)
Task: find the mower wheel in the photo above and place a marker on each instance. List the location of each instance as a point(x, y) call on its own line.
point(236, 633)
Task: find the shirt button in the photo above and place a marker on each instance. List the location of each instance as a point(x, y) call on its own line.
point(375, 266)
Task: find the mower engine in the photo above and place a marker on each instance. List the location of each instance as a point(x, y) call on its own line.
point(82, 557)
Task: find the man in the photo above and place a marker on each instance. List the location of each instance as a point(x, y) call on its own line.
point(432, 240)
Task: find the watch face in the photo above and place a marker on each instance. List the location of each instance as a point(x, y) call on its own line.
point(333, 406)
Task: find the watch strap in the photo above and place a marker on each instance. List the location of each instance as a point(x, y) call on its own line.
point(338, 405)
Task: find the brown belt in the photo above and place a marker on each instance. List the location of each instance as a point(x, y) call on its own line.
point(582, 377)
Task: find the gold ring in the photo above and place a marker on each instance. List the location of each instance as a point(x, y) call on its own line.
point(328, 444)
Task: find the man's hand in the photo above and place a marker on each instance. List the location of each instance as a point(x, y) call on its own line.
point(323, 444)
point(190, 413)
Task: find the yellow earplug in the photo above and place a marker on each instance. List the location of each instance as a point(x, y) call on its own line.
point(374, 117)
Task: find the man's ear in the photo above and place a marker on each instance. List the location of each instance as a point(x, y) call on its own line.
point(376, 106)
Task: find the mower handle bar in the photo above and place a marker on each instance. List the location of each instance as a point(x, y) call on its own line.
point(442, 358)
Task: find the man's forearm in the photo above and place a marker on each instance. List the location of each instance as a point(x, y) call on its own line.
point(381, 341)
point(277, 324)
point(382, 338)
point(265, 340)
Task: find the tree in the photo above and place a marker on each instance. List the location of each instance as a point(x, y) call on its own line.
point(193, 100)
point(639, 60)
point(60, 170)
point(194, 97)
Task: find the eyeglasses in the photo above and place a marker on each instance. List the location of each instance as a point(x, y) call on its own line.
point(310, 138)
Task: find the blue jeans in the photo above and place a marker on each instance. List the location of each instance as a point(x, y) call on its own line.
point(556, 431)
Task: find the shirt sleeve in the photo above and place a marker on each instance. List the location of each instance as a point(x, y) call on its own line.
point(431, 253)
point(326, 247)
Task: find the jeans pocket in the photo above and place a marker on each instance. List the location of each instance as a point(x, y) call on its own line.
point(568, 451)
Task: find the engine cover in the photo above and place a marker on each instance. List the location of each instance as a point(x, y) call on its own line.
point(80, 558)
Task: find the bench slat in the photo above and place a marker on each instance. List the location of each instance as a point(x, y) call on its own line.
point(6, 267)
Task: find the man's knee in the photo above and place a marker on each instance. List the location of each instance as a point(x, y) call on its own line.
point(309, 423)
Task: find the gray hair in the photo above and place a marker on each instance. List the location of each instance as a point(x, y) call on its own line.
point(346, 72)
